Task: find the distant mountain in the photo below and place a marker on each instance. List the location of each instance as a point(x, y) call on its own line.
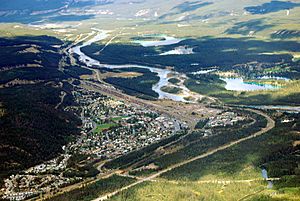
point(166, 12)
point(35, 10)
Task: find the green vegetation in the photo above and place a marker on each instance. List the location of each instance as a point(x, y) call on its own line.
point(116, 119)
point(140, 86)
point(132, 157)
point(196, 144)
point(91, 191)
point(244, 28)
point(205, 84)
point(76, 71)
point(32, 130)
point(174, 80)
point(102, 127)
point(211, 85)
point(77, 166)
point(142, 173)
point(276, 151)
point(153, 37)
point(171, 90)
point(192, 191)
point(201, 123)
point(272, 151)
point(262, 41)
point(208, 52)
point(29, 58)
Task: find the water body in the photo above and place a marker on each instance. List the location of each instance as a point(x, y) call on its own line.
point(264, 173)
point(292, 109)
point(161, 73)
point(168, 40)
point(238, 84)
point(273, 78)
point(201, 72)
point(163, 80)
point(84, 58)
point(179, 51)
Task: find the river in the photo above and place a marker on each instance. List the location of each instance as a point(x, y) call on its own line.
point(235, 84)
point(285, 108)
point(163, 74)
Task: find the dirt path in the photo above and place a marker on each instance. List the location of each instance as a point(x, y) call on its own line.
point(62, 98)
point(269, 126)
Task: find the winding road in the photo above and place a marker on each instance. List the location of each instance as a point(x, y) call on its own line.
point(269, 126)
point(111, 91)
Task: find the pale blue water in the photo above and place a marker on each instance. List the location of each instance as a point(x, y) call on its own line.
point(264, 173)
point(168, 40)
point(238, 84)
point(273, 78)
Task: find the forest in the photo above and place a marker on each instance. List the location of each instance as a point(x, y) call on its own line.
point(222, 53)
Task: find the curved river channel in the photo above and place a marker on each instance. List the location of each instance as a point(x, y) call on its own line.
point(163, 74)
point(236, 84)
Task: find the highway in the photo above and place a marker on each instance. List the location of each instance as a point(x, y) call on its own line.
point(269, 126)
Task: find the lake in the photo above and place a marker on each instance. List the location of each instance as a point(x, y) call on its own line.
point(238, 84)
point(168, 40)
point(161, 73)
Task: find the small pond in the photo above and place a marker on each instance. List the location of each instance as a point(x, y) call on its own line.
point(167, 40)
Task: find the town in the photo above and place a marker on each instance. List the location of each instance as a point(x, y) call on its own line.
point(110, 128)
point(224, 119)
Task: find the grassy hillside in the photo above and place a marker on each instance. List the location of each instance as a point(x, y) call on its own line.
point(234, 173)
point(93, 190)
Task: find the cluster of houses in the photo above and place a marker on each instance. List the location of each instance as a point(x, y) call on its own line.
point(56, 164)
point(132, 127)
point(24, 186)
point(224, 119)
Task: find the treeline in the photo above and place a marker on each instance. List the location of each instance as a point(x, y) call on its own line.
point(196, 144)
point(31, 129)
point(140, 86)
point(221, 52)
point(19, 55)
point(273, 151)
point(135, 156)
point(77, 166)
point(211, 85)
point(16, 52)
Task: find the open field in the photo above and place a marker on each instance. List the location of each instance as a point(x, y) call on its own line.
point(102, 127)
point(93, 190)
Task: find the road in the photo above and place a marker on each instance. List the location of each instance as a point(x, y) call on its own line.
point(111, 91)
point(115, 93)
point(269, 126)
